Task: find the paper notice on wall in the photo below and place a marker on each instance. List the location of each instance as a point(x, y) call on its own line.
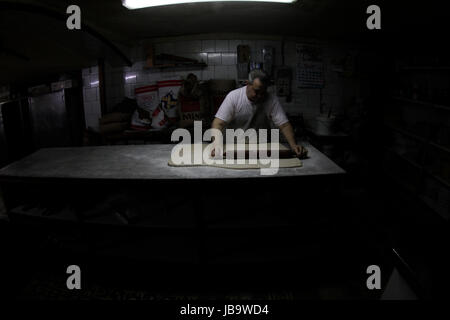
point(310, 66)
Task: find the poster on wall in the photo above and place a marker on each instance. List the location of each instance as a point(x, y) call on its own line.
point(310, 66)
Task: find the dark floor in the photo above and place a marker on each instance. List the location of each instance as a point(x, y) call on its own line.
point(331, 269)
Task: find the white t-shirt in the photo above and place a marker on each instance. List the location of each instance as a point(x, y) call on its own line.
point(239, 112)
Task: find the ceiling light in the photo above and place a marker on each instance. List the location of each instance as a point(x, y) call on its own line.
point(136, 4)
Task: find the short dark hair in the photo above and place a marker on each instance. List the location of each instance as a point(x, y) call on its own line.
point(258, 74)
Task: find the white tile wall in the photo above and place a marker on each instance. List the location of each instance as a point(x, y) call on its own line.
point(203, 57)
point(208, 73)
point(90, 94)
point(229, 59)
point(138, 66)
point(91, 97)
point(208, 45)
point(130, 77)
point(221, 72)
point(222, 46)
point(214, 59)
point(231, 72)
point(220, 55)
point(129, 90)
point(190, 46)
point(168, 47)
point(93, 81)
point(232, 45)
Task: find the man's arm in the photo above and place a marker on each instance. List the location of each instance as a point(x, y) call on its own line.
point(288, 132)
point(280, 119)
point(218, 124)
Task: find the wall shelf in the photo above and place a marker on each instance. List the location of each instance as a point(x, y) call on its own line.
point(410, 161)
point(425, 68)
point(176, 67)
point(430, 203)
point(416, 137)
point(406, 132)
point(399, 181)
point(437, 178)
point(423, 171)
point(412, 190)
point(445, 149)
point(418, 166)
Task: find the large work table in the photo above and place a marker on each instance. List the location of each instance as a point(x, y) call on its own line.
point(142, 162)
point(78, 181)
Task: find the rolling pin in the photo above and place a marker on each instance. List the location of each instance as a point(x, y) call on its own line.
point(282, 154)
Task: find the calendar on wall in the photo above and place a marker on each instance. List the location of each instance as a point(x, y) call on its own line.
point(310, 67)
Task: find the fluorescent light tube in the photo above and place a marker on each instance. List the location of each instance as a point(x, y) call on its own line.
point(137, 4)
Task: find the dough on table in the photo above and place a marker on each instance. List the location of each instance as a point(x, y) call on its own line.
point(283, 163)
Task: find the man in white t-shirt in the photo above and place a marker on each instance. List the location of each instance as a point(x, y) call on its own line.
point(253, 107)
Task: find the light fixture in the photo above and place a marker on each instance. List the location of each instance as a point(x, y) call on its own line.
point(137, 4)
point(128, 77)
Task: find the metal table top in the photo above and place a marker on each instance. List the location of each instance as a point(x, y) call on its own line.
point(142, 162)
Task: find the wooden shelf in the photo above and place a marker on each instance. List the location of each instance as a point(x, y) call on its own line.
point(423, 103)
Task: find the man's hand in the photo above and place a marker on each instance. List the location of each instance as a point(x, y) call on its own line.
point(216, 150)
point(287, 130)
point(300, 151)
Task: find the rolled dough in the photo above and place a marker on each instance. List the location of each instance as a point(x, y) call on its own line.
point(283, 163)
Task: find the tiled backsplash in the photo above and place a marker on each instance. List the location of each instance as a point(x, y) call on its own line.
point(220, 56)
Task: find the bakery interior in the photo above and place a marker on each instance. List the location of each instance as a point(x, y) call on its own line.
point(87, 116)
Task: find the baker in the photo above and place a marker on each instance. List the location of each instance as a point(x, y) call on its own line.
point(253, 107)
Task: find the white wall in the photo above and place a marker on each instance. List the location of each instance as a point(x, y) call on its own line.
point(91, 97)
point(219, 53)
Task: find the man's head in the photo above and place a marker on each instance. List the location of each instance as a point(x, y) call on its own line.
point(258, 81)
